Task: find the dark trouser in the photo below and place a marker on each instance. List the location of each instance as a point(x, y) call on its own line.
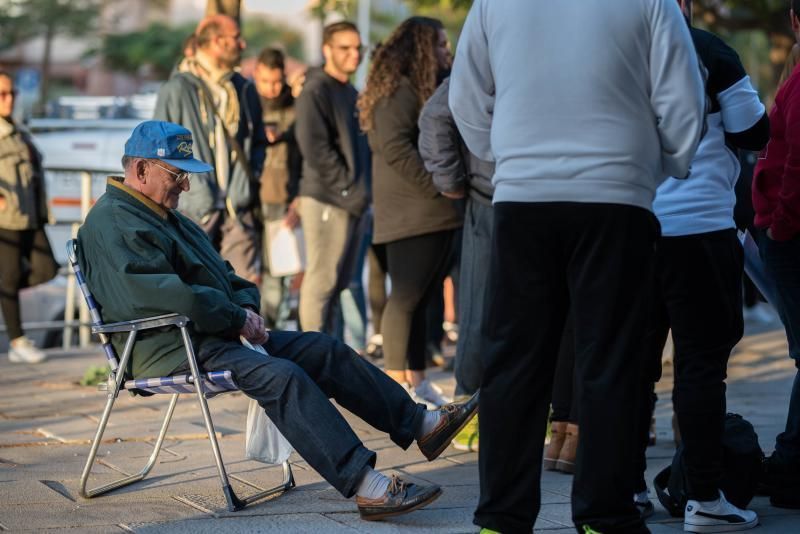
point(594, 260)
point(25, 260)
point(376, 284)
point(697, 292)
point(782, 263)
point(476, 246)
point(565, 392)
point(294, 386)
point(417, 268)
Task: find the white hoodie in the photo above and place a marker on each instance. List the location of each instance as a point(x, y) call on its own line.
point(578, 100)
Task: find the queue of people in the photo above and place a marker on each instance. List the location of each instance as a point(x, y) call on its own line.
point(577, 255)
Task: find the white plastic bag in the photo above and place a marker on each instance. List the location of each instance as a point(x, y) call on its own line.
point(263, 442)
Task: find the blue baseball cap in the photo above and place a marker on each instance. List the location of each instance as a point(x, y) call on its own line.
point(167, 142)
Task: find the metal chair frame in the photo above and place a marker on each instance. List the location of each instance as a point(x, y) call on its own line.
point(116, 381)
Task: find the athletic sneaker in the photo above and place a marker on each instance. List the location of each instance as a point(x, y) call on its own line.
point(22, 350)
point(431, 394)
point(717, 516)
point(467, 439)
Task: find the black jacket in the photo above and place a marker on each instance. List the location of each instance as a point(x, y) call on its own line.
point(336, 158)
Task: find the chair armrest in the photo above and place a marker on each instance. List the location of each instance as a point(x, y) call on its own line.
point(170, 319)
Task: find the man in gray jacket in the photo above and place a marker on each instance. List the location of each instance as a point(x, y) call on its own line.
point(222, 110)
point(457, 173)
point(586, 107)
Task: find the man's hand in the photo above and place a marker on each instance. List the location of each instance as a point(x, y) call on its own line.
point(292, 218)
point(455, 195)
point(254, 330)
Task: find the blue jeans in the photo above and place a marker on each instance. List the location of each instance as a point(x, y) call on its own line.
point(294, 385)
point(782, 263)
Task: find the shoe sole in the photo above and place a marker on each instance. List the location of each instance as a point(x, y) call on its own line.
point(17, 359)
point(731, 527)
point(379, 516)
point(548, 464)
point(565, 467)
point(447, 443)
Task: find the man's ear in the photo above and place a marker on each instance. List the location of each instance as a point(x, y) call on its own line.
point(141, 170)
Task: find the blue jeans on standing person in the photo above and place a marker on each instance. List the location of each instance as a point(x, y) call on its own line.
point(782, 263)
point(293, 386)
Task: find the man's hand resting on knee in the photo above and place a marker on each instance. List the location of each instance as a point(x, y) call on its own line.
point(254, 330)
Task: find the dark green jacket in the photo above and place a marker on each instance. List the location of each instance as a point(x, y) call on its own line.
point(141, 260)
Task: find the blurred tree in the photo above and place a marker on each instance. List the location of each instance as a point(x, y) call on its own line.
point(771, 17)
point(231, 8)
point(21, 20)
point(260, 32)
point(158, 47)
point(320, 9)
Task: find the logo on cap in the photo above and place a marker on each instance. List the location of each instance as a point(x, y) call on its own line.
point(185, 148)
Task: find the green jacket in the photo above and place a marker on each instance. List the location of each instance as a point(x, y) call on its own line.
point(141, 260)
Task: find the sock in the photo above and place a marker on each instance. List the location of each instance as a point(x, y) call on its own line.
point(373, 485)
point(429, 422)
point(641, 497)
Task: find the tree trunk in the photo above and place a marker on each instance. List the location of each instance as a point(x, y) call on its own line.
point(44, 86)
point(232, 8)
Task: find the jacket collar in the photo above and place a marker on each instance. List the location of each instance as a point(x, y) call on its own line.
point(115, 183)
point(6, 128)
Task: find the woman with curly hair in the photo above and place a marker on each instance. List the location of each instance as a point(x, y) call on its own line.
point(412, 219)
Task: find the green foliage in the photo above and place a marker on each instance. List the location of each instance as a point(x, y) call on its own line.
point(94, 375)
point(260, 32)
point(23, 19)
point(158, 47)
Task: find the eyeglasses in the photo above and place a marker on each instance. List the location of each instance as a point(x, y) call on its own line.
point(342, 48)
point(180, 177)
point(12, 93)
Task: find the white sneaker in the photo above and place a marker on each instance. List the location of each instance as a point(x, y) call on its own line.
point(22, 350)
point(431, 394)
point(416, 398)
point(717, 516)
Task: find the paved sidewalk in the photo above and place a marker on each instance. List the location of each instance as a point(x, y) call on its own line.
point(47, 419)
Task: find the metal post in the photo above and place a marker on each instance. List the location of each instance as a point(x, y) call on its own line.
point(84, 333)
point(69, 305)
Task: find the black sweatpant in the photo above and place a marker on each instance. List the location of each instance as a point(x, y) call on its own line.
point(548, 258)
point(565, 392)
point(417, 266)
point(697, 292)
point(25, 260)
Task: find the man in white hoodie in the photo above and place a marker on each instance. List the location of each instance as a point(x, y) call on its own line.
point(586, 107)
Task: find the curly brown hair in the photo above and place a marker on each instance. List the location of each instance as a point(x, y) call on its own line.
point(410, 52)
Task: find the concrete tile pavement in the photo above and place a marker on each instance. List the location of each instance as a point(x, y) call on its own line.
point(47, 419)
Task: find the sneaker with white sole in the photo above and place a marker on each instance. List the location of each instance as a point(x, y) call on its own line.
point(431, 394)
point(717, 516)
point(22, 350)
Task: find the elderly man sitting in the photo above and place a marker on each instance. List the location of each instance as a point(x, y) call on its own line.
point(141, 258)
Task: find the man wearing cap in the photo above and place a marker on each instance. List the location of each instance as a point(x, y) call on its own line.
point(142, 257)
point(221, 108)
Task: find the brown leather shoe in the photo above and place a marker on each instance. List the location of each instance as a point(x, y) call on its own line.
point(566, 458)
point(454, 417)
point(400, 498)
point(558, 432)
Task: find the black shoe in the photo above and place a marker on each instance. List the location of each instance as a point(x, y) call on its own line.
point(646, 509)
point(400, 498)
point(781, 481)
point(454, 417)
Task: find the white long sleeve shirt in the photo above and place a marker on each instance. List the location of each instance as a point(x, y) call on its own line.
point(578, 100)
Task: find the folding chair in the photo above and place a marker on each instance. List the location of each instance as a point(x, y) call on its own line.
point(205, 385)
